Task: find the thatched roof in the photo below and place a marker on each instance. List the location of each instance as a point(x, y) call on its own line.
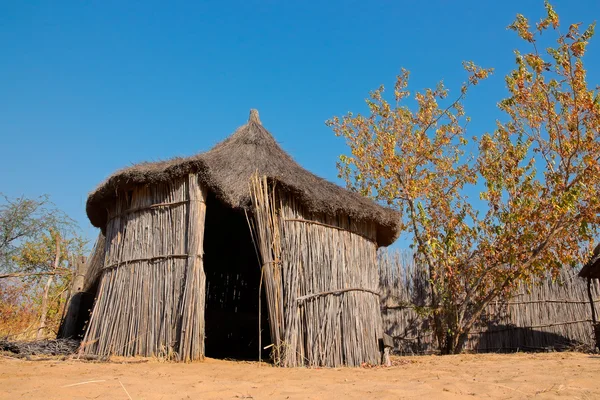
point(592, 268)
point(226, 169)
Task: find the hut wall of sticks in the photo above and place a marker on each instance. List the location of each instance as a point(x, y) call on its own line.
point(553, 314)
point(320, 276)
point(591, 273)
point(236, 252)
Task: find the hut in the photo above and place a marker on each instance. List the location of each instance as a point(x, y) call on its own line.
point(591, 270)
point(237, 252)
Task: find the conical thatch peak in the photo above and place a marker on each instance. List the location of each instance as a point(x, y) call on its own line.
point(226, 170)
point(254, 116)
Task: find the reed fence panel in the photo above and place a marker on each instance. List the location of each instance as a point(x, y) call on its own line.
point(551, 314)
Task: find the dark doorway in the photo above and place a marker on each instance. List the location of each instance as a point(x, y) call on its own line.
point(232, 286)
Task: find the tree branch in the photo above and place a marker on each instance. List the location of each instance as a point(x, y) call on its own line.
point(28, 274)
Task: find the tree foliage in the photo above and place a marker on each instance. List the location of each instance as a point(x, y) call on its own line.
point(24, 219)
point(38, 246)
point(537, 174)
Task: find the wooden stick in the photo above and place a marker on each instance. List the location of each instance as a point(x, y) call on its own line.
point(337, 291)
point(150, 259)
point(151, 206)
point(27, 274)
point(125, 389)
point(308, 221)
point(84, 383)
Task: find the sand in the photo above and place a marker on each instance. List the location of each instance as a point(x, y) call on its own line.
point(487, 376)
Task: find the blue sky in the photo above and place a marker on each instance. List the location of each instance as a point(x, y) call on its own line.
point(90, 87)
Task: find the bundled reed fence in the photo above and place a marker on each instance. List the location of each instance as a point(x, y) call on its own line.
point(150, 299)
point(321, 281)
point(552, 314)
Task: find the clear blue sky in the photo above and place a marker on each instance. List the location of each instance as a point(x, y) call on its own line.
point(87, 87)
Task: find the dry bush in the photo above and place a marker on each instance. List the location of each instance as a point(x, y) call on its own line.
point(18, 313)
point(20, 303)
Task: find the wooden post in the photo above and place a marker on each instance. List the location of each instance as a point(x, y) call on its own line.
point(68, 328)
point(387, 343)
point(595, 324)
point(589, 292)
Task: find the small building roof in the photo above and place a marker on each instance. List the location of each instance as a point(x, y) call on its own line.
point(226, 170)
point(592, 268)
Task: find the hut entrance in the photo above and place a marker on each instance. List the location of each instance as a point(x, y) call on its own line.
point(232, 286)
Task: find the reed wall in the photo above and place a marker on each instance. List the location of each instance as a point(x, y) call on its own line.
point(321, 279)
point(551, 314)
point(150, 300)
point(95, 263)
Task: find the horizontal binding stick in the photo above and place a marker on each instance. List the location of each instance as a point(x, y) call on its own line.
point(308, 221)
point(339, 291)
point(166, 256)
point(510, 328)
point(565, 301)
point(152, 206)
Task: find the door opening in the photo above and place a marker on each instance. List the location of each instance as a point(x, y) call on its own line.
point(232, 286)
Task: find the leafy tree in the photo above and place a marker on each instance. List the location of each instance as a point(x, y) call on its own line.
point(50, 254)
point(25, 219)
point(537, 174)
point(38, 244)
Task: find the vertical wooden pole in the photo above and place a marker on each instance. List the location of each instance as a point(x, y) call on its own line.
point(191, 343)
point(594, 321)
point(589, 292)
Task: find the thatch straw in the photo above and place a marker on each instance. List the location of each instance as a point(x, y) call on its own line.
point(226, 171)
point(320, 279)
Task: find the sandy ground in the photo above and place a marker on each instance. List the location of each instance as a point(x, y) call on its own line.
point(492, 376)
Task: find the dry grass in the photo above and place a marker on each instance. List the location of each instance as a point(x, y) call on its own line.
point(20, 310)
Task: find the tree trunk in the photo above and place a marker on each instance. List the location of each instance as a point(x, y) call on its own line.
point(27, 274)
point(439, 331)
point(462, 341)
point(452, 343)
point(44, 312)
point(456, 329)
